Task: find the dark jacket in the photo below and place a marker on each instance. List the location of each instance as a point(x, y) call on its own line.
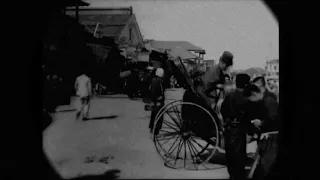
point(233, 105)
point(157, 90)
point(267, 111)
point(270, 112)
point(212, 77)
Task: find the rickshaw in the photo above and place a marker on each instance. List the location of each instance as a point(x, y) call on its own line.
point(187, 133)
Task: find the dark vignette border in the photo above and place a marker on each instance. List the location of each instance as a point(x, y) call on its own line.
point(25, 156)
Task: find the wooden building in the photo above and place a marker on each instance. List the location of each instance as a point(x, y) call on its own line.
point(119, 24)
point(170, 45)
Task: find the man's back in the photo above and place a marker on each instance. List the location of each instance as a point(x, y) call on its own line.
point(270, 111)
point(83, 83)
point(213, 74)
point(232, 106)
point(157, 90)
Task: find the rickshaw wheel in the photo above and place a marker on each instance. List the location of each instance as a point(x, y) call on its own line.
point(180, 141)
point(167, 106)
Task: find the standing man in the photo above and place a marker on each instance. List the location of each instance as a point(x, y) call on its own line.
point(157, 96)
point(233, 112)
point(267, 109)
point(83, 91)
point(213, 80)
point(267, 113)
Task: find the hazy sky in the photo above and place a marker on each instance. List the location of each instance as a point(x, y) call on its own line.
point(244, 27)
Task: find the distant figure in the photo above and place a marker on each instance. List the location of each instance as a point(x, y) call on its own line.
point(274, 88)
point(146, 84)
point(133, 83)
point(157, 96)
point(83, 91)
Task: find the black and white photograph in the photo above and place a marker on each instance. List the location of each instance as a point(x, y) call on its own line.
point(161, 89)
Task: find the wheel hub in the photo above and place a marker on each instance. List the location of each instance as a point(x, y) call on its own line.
point(186, 135)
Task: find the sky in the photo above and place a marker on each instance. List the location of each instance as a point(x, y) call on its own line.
point(246, 28)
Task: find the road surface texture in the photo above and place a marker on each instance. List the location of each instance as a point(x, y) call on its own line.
point(117, 138)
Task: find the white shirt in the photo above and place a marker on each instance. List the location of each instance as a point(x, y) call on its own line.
point(83, 86)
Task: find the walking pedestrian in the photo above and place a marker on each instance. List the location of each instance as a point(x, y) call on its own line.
point(157, 96)
point(83, 91)
point(132, 84)
point(233, 112)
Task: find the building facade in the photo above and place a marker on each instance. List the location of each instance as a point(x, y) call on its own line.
point(272, 68)
point(176, 45)
point(117, 23)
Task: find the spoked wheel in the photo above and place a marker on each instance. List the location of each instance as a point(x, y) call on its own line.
point(167, 106)
point(186, 136)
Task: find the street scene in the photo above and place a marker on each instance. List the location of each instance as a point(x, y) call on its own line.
point(121, 138)
point(125, 99)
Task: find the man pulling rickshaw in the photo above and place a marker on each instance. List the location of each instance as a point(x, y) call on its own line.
point(213, 80)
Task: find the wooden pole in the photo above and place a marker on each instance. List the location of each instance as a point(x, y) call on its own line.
point(95, 31)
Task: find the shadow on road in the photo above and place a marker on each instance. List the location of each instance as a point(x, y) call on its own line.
point(218, 158)
point(112, 96)
point(67, 110)
point(101, 118)
point(52, 174)
point(111, 174)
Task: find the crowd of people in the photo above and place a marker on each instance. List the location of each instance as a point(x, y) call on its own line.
point(250, 109)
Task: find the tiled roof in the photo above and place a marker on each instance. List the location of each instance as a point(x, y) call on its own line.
point(110, 24)
point(106, 30)
point(173, 44)
point(112, 30)
point(107, 19)
point(182, 53)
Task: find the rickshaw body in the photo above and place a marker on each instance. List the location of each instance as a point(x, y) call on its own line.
point(188, 121)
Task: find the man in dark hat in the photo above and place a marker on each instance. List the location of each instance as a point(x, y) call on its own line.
point(157, 96)
point(261, 83)
point(232, 110)
point(214, 79)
